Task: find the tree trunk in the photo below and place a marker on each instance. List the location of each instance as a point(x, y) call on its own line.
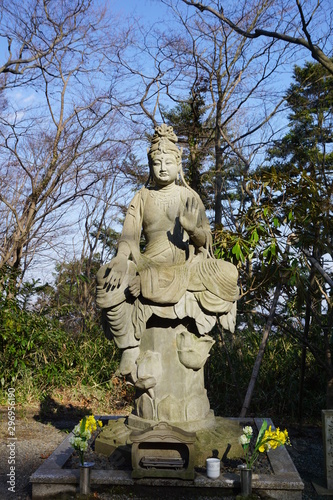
point(261, 351)
point(303, 360)
point(265, 335)
point(218, 199)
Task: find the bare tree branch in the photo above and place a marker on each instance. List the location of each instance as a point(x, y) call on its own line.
point(306, 42)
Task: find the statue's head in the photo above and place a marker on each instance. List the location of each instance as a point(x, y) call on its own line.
point(164, 142)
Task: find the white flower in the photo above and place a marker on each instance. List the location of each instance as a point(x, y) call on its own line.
point(86, 434)
point(77, 442)
point(76, 430)
point(248, 430)
point(244, 440)
point(83, 445)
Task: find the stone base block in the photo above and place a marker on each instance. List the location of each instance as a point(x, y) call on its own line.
point(52, 478)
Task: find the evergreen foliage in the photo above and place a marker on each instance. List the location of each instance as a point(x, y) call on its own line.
point(39, 351)
point(188, 121)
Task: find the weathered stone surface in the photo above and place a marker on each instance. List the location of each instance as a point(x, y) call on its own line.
point(327, 420)
point(163, 451)
point(221, 440)
point(136, 422)
point(178, 393)
point(160, 305)
point(51, 479)
point(115, 438)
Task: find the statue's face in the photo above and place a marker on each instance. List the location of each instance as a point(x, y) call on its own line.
point(164, 169)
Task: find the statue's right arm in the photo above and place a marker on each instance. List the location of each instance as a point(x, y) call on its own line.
point(128, 245)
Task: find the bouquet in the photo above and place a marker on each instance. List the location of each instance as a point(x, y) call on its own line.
point(267, 439)
point(82, 432)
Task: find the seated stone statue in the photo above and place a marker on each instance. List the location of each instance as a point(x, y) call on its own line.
point(173, 287)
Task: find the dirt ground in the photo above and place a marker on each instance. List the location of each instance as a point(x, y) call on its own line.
point(39, 430)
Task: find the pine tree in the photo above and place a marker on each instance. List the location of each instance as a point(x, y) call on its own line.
point(301, 174)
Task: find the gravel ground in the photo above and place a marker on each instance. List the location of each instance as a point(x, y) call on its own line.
point(307, 454)
point(35, 441)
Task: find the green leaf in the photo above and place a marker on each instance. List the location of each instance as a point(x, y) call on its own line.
point(83, 424)
point(262, 431)
point(254, 236)
point(236, 250)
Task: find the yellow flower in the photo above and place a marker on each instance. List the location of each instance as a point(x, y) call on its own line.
point(82, 433)
point(267, 439)
point(91, 423)
point(274, 439)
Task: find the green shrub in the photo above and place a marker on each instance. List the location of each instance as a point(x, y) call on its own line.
point(37, 354)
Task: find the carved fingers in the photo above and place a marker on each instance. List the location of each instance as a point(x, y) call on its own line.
point(117, 271)
point(134, 286)
point(189, 216)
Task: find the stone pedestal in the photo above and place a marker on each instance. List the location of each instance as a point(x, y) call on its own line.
point(327, 420)
point(222, 440)
point(170, 383)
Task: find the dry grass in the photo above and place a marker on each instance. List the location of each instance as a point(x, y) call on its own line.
point(72, 402)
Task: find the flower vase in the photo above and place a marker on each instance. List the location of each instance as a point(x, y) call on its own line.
point(245, 481)
point(85, 472)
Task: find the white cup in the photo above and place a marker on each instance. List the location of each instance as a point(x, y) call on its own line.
point(213, 466)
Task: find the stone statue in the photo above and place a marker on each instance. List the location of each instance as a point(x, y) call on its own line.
point(159, 304)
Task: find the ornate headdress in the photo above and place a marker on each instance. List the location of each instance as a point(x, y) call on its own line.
point(164, 141)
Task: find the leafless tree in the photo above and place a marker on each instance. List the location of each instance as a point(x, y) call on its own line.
point(306, 24)
point(235, 79)
point(36, 30)
point(54, 136)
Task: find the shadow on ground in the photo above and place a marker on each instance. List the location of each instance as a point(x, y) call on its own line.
point(58, 415)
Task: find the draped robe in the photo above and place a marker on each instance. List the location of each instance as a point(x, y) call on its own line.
point(177, 278)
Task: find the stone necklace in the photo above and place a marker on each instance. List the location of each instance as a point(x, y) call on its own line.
point(166, 197)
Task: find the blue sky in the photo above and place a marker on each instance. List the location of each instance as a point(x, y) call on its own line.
point(142, 8)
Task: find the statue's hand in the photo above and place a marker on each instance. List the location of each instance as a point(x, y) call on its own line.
point(134, 286)
point(189, 217)
point(118, 268)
